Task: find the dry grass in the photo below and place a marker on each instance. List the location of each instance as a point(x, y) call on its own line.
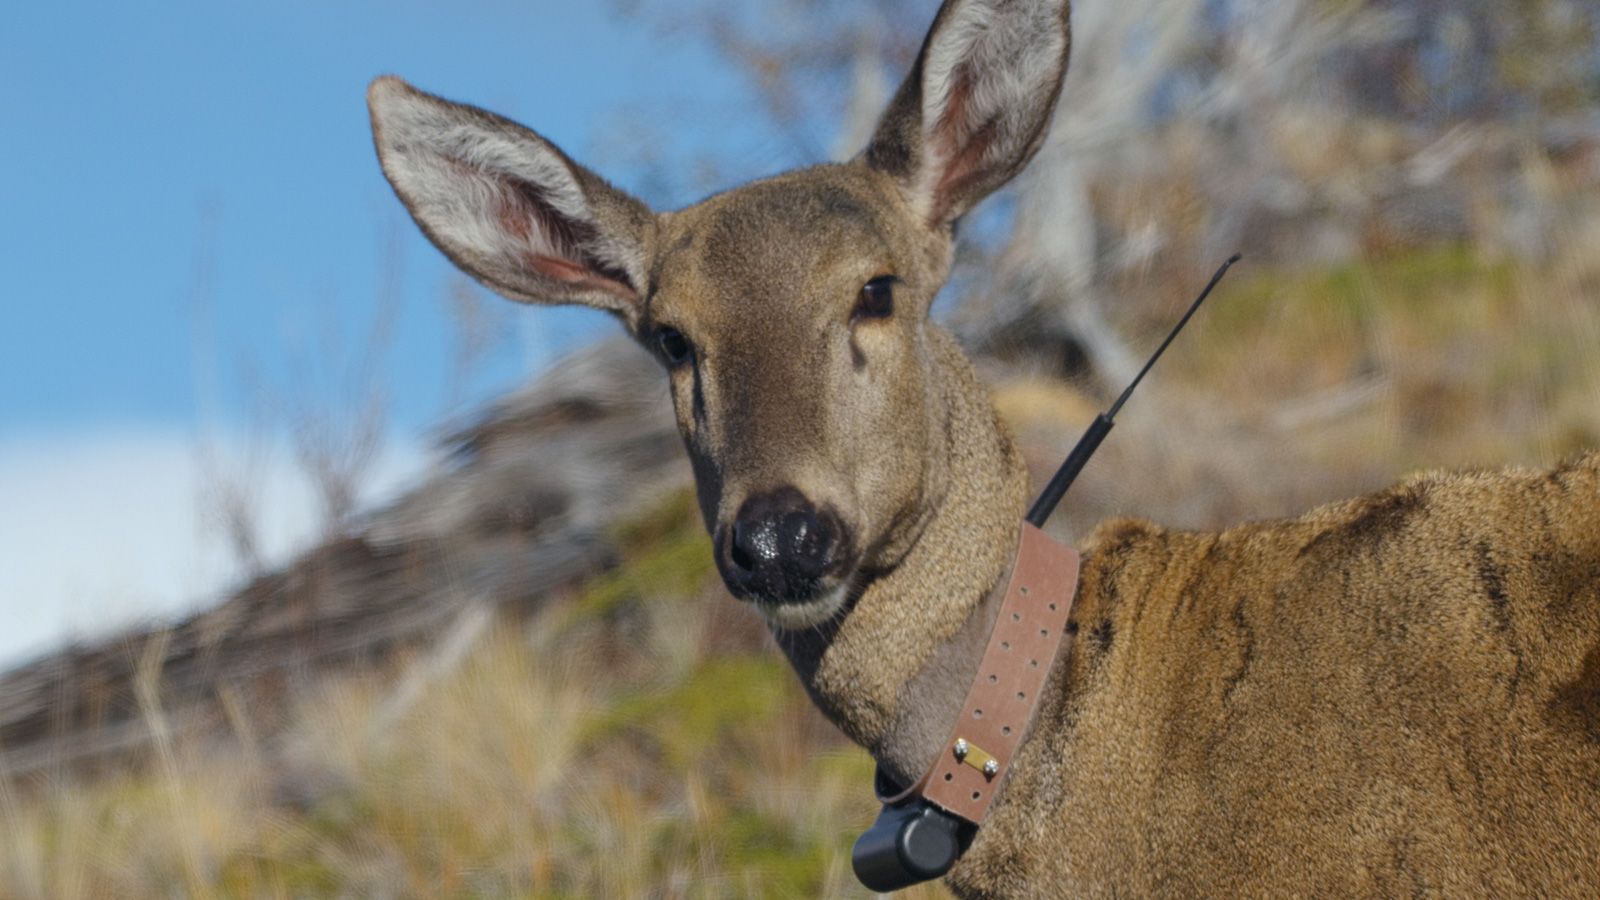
point(1300, 386)
point(636, 739)
point(1471, 360)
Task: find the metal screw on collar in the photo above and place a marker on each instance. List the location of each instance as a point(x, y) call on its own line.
point(976, 757)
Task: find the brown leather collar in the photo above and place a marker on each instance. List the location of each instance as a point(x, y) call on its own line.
point(1005, 693)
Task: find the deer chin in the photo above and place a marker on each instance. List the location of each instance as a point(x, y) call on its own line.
point(807, 613)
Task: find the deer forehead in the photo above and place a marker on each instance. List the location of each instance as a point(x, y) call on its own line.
point(777, 252)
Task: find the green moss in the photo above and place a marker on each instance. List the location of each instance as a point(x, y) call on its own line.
point(666, 556)
point(1297, 330)
point(307, 875)
point(670, 516)
point(692, 721)
point(675, 568)
point(784, 860)
point(849, 764)
point(1407, 284)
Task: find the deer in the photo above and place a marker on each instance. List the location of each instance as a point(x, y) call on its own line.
point(1398, 693)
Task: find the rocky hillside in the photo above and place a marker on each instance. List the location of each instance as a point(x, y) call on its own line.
point(522, 509)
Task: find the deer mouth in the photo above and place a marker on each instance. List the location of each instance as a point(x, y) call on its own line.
point(793, 615)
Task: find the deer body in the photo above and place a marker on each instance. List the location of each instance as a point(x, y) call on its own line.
point(1395, 695)
point(1399, 693)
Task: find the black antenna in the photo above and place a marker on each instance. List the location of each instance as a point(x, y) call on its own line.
point(1101, 426)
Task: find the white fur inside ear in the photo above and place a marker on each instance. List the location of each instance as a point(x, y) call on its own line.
point(485, 190)
point(989, 73)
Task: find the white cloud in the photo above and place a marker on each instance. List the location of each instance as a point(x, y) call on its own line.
point(101, 529)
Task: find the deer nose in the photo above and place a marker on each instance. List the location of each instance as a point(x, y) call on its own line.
point(779, 548)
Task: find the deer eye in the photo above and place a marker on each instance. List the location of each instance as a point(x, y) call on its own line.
point(673, 345)
point(876, 300)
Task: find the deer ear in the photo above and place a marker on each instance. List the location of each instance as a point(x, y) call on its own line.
point(508, 206)
point(976, 105)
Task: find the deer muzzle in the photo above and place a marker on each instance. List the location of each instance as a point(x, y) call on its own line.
point(783, 549)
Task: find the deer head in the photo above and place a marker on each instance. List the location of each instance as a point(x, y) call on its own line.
point(790, 314)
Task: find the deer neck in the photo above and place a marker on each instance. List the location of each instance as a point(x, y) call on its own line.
point(893, 671)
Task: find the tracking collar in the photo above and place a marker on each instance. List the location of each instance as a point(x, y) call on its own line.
point(923, 829)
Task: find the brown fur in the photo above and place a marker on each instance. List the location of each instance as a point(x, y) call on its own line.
point(1393, 695)
point(1398, 694)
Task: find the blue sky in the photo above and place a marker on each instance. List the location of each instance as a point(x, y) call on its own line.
point(151, 149)
point(139, 136)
